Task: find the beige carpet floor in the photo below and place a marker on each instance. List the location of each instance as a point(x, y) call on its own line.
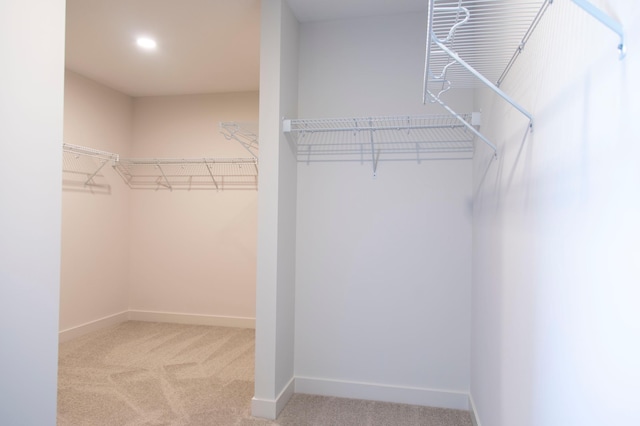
point(141, 373)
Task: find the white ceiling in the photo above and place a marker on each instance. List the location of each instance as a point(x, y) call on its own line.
point(320, 10)
point(204, 46)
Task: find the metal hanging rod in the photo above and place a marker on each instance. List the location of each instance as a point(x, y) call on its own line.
point(240, 132)
point(611, 23)
point(376, 139)
point(85, 161)
point(189, 173)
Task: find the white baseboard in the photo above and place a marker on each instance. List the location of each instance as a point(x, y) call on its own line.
point(77, 331)
point(222, 321)
point(377, 392)
point(474, 412)
point(80, 330)
point(270, 409)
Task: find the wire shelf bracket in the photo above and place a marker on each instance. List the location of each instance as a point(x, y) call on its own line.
point(483, 79)
point(85, 161)
point(608, 21)
point(476, 42)
point(376, 139)
point(240, 133)
point(189, 173)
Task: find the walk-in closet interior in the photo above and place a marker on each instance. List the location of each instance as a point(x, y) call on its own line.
point(424, 202)
point(160, 163)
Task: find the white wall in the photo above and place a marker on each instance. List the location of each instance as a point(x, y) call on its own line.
point(31, 83)
point(275, 314)
point(367, 66)
point(556, 257)
point(155, 255)
point(95, 220)
point(193, 252)
point(383, 268)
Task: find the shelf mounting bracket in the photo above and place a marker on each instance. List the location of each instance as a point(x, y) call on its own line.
point(168, 184)
point(374, 161)
point(211, 174)
point(90, 177)
point(484, 80)
point(464, 122)
point(611, 23)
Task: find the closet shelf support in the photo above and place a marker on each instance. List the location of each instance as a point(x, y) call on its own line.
point(374, 162)
point(164, 176)
point(484, 80)
point(213, 178)
point(608, 21)
point(465, 123)
point(90, 178)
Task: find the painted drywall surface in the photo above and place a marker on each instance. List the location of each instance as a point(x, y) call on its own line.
point(277, 212)
point(287, 184)
point(192, 252)
point(31, 105)
point(95, 220)
point(383, 264)
point(367, 66)
point(556, 260)
point(383, 274)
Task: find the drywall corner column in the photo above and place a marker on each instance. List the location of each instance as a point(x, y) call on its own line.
point(31, 84)
point(276, 212)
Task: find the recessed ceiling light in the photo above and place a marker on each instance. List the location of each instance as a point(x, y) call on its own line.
point(146, 43)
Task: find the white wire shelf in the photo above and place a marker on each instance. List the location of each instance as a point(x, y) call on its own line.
point(243, 133)
point(486, 34)
point(471, 43)
point(375, 139)
point(189, 173)
point(85, 163)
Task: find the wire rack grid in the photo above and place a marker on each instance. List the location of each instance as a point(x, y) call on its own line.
point(487, 34)
point(201, 173)
point(374, 139)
